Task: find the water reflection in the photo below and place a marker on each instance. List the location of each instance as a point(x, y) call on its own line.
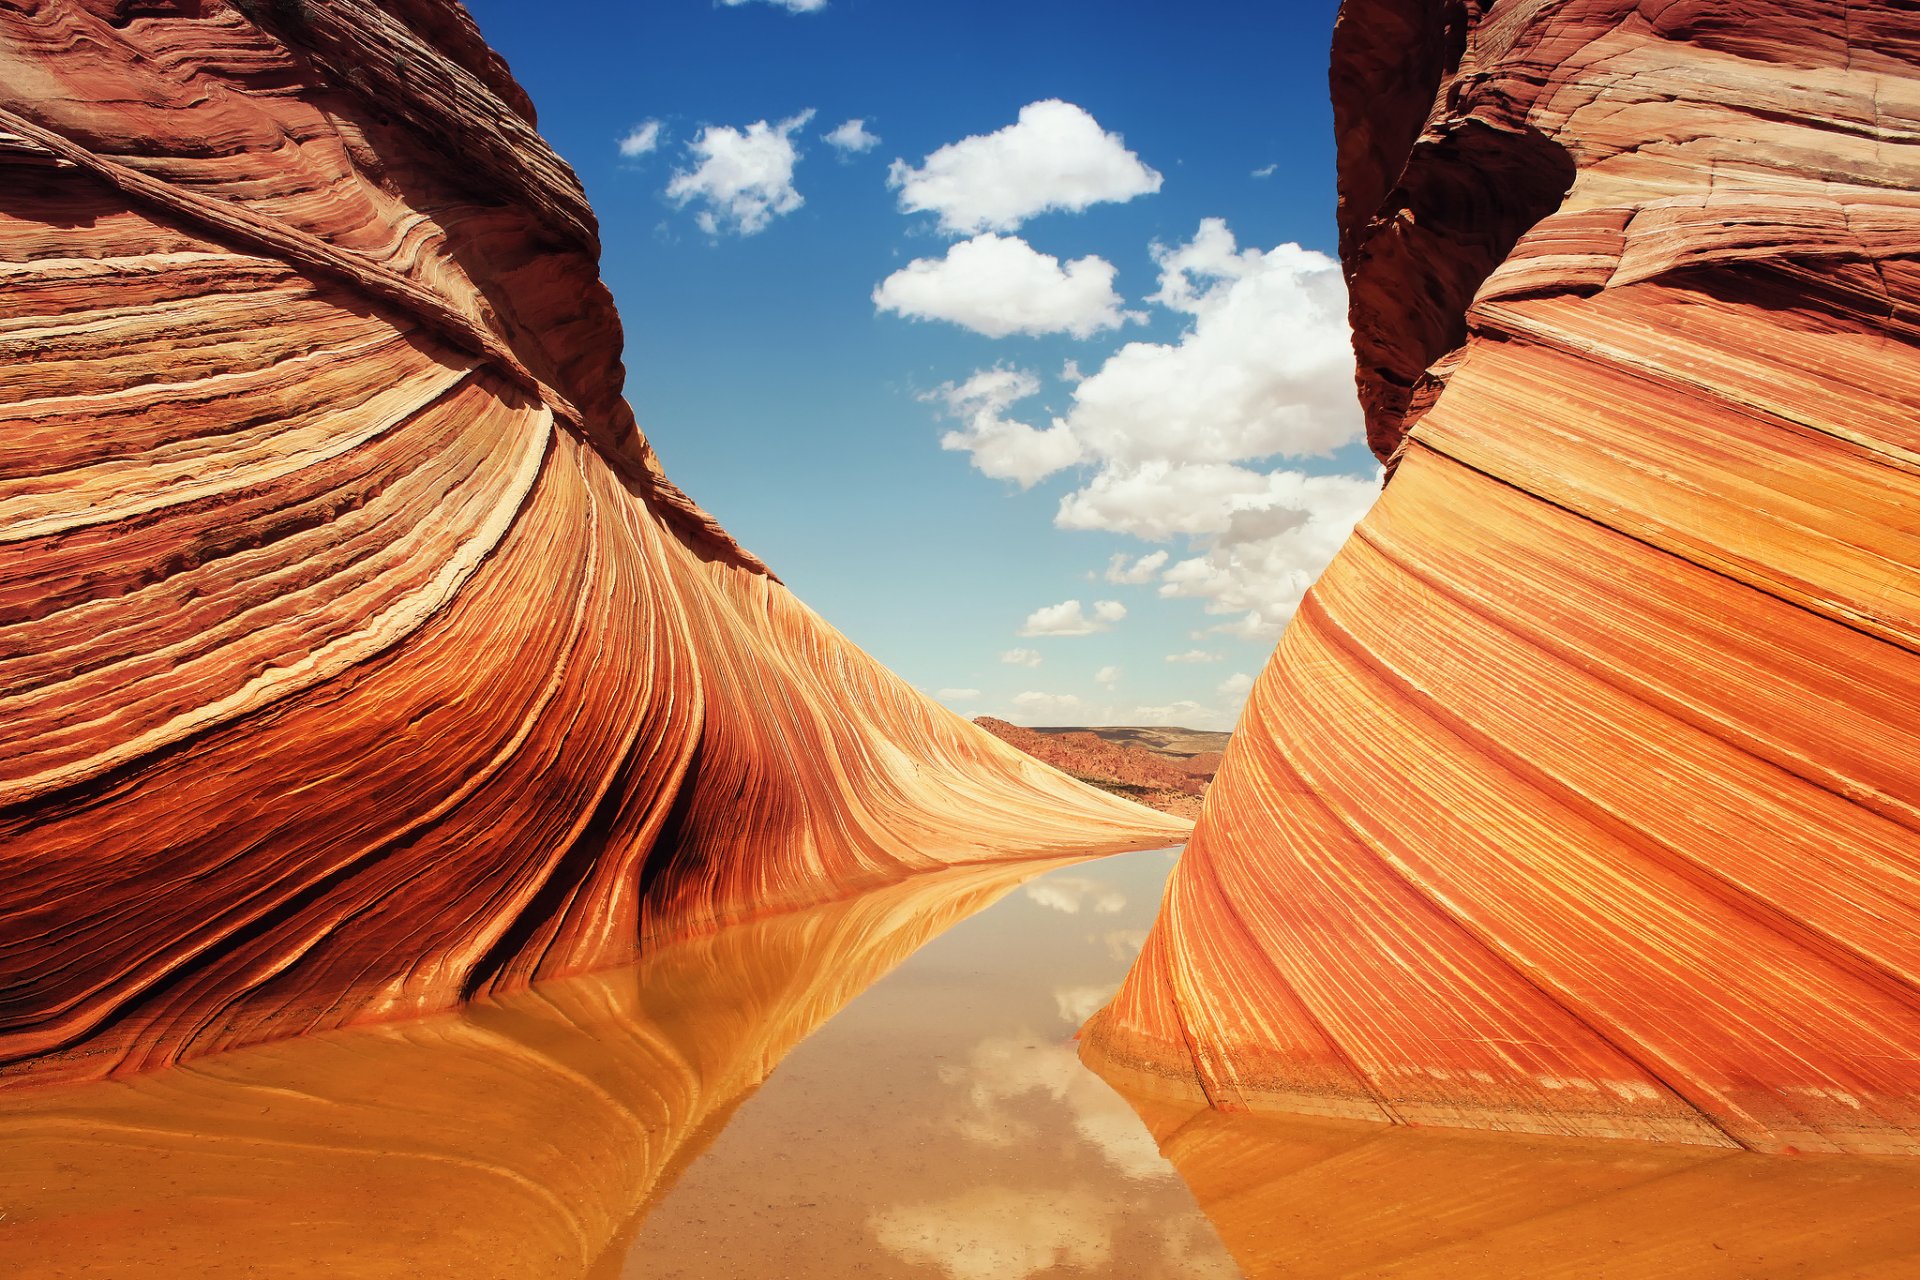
point(1308, 1199)
point(963, 1136)
point(521, 1137)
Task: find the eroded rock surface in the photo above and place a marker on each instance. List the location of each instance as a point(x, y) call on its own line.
point(1580, 795)
point(355, 655)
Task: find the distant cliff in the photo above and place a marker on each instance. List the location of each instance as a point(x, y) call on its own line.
point(1170, 783)
point(1581, 796)
point(355, 655)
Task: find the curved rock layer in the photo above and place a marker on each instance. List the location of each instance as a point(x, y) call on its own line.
point(355, 656)
point(525, 1135)
point(1580, 797)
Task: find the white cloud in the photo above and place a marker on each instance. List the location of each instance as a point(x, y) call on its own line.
point(1235, 685)
point(1055, 157)
point(791, 6)
point(641, 140)
point(1021, 657)
point(999, 1233)
point(1074, 894)
point(1182, 438)
point(1265, 171)
point(1186, 714)
point(745, 179)
point(851, 138)
point(1107, 677)
point(1032, 703)
point(958, 695)
point(1002, 447)
point(1128, 571)
point(1193, 655)
point(999, 285)
point(1068, 619)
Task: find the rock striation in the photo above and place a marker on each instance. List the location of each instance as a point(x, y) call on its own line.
point(1580, 796)
point(356, 657)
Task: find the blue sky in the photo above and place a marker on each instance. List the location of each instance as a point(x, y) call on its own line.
point(1030, 157)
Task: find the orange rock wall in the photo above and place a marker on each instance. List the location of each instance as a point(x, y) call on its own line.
point(355, 656)
point(1580, 795)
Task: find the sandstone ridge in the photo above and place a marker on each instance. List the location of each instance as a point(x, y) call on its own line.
point(355, 655)
point(1580, 797)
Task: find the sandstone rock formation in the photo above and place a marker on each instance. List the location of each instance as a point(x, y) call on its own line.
point(1580, 796)
point(355, 655)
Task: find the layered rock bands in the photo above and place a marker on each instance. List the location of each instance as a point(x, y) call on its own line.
point(1580, 796)
point(355, 655)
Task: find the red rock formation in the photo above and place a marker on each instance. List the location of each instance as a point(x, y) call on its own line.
point(355, 656)
point(1580, 796)
point(1168, 785)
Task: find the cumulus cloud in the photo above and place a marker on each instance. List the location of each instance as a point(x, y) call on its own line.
point(743, 178)
point(1072, 895)
point(1056, 156)
point(1000, 285)
point(851, 138)
point(1002, 447)
point(641, 140)
point(1236, 685)
point(1265, 171)
point(958, 695)
point(1130, 571)
point(1182, 438)
point(1021, 657)
point(999, 1233)
point(1193, 655)
point(1032, 704)
point(1068, 618)
point(791, 6)
point(1107, 677)
point(1186, 714)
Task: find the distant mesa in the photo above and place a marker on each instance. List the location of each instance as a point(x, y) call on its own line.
point(356, 657)
point(1581, 795)
point(1167, 769)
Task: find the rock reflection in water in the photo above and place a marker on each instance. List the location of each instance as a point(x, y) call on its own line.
point(1309, 1199)
point(943, 1127)
point(521, 1137)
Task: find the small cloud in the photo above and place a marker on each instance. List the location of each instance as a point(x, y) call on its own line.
point(1021, 657)
point(1068, 619)
point(1184, 715)
point(958, 695)
point(1055, 156)
point(1000, 285)
point(641, 140)
point(852, 138)
point(791, 6)
point(1107, 677)
point(1070, 372)
point(1234, 685)
point(1265, 171)
point(1000, 446)
point(1032, 703)
point(1193, 655)
point(744, 177)
point(1071, 895)
point(1129, 572)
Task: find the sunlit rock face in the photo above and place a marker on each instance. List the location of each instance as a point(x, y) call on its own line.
point(355, 655)
point(1580, 795)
